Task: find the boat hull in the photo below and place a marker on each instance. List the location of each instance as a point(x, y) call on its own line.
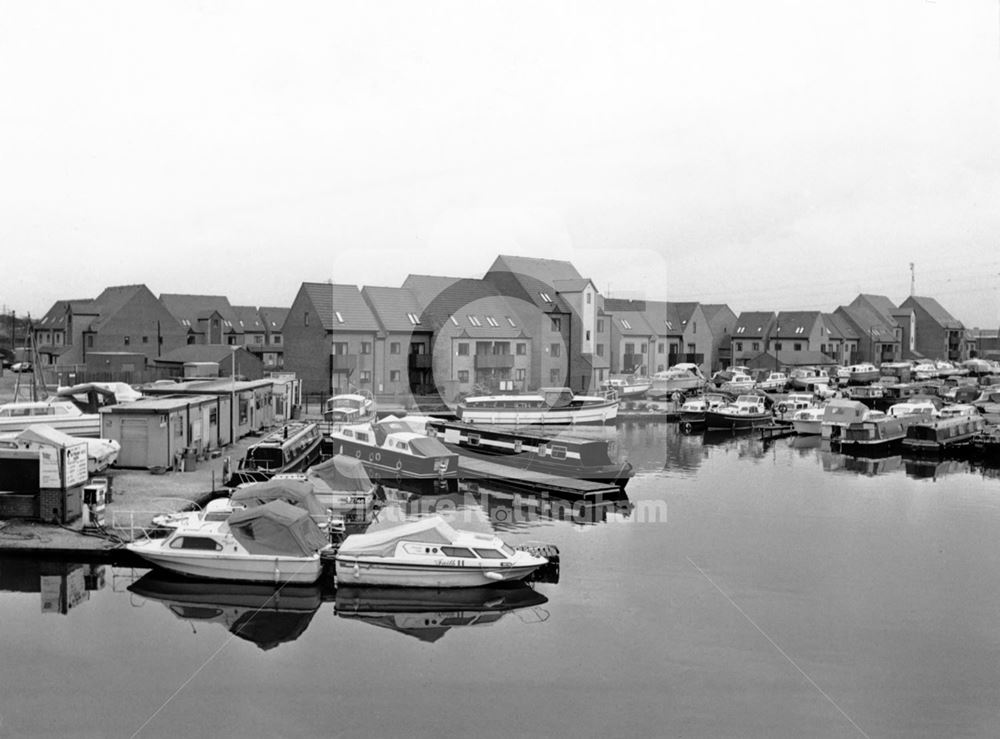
point(380, 571)
point(808, 428)
point(385, 463)
point(245, 568)
point(87, 426)
point(715, 420)
point(585, 414)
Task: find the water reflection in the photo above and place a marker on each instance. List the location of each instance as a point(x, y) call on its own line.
point(62, 586)
point(427, 614)
point(262, 614)
point(925, 468)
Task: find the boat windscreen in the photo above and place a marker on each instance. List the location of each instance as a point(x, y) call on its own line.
point(267, 458)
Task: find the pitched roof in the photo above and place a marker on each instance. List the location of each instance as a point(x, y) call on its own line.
point(754, 324)
point(880, 304)
point(464, 303)
point(273, 318)
point(55, 317)
point(934, 310)
point(796, 323)
point(632, 323)
point(340, 307)
point(247, 318)
point(868, 323)
point(838, 327)
point(199, 353)
point(536, 279)
point(393, 307)
point(188, 309)
point(111, 300)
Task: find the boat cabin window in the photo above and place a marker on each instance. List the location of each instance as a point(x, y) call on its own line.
point(558, 452)
point(361, 436)
point(458, 552)
point(196, 542)
point(490, 554)
point(473, 439)
point(509, 551)
point(265, 458)
point(348, 433)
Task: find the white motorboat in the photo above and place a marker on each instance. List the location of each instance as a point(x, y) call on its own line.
point(839, 413)
point(808, 421)
point(341, 485)
point(429, 553)
point(349, 408)
point(549, 406)
point(628, 387)
point(276, 542)
point(61, 415)
point(684, 378)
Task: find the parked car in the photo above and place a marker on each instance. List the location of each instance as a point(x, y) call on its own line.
point(21, 367)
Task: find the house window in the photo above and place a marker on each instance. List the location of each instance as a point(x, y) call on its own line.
point(339, 315)
point(798, 346)
point(556, 324)
point(739, 346)
point(600, 350)
point(463, 375)
point(600, 325)
point(258, 339)
point(545, 297)
point(522, 348)
point(366, 376)
point(394, 347)
point(190, 339)
point(554, 377)
point(511, 322)
point(474, 320)
point(777, 346)
point(660, 348)
point(587, 335)
point(625, 324)
point(519, 374)
point(231, 340)
point(642, 348)
point(555, 349)
point(463, 349)
point(305, 318)
point(128, 340)
point(756, 346)
point(145, 339)
point(629, 348)
point(393, 375)
point(338, 347)
point(366, 347)
point(588, 298)
point(694, 327)
point(275, 339)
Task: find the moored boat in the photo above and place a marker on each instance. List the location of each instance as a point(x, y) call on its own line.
point(956, 426)
point(683, 378)
point(565, 454)
point(292, 448)
point(862, 373)
point(349, 408)
point(875, 434)
point(430, 553)
point(809, 421)
point(838, 413)
point(692, 412)
point(806, 378)
point(628, 387)
point(548, 406)
point(746, 412)
point(61, 415)
point(276, 542)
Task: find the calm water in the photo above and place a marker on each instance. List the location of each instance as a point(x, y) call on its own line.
point(745, 590)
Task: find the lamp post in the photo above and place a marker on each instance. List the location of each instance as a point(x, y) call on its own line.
point(232, 395)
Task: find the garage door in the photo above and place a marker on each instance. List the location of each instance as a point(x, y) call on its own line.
point(135, 443)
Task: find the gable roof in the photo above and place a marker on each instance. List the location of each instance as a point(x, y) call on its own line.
point(273, 318)
point(111, 300)
point(632, 323)
point(248, 319)
point(838, 327)
point(796, 323)
point(456, 301)
point(393, 307)
point(879, 304)
point(934, 310)
point(55, 317)
point(754, 324)
point(188, 309)
point(533, 279)
point(340, 307)
point(868, 323)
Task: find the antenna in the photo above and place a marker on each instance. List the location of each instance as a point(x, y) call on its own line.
point(913, 281)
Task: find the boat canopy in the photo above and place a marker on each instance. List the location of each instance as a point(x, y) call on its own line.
point(844, 411)
point(277, 528)
point(425, 446)
point(298, 493)
point(432, 530)
point(340, 472)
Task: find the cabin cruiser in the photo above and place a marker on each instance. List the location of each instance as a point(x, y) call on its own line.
point(806, 378)
point(392, 450)
point(862, 374)
point(775, 382)
point(349, 408)
point(740, 382)
point(693, 410)
point(838, 413)
point(549, 406)
point(746, 412)
point(792, 403)
point(342, 486)
point(276, 542)
point(429, 553)
point(628, 387)
point(62, 415)
point(684, 377)
point(809, 421)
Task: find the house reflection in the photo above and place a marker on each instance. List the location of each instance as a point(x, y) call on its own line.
point(62, 586)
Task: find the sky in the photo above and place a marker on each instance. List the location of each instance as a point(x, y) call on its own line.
point(769, 155)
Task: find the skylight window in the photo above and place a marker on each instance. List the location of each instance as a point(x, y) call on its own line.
point(454, 320)
point(511, 321)
point(492, 321)
point(669, 325)
point(545, 297)
point(741, 330)
point(626, 324)
point(414, 318)
point(475, 321)
point(340, 318)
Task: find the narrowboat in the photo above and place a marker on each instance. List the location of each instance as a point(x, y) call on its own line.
point(391, 452)
point(292, 448)
point(956, 426)
point(548, 406)
point(875, 434)
point(746, 412)
point(569, 456)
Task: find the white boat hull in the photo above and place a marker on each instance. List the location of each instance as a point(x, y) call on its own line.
point(243, 568)
point(87, 426)
point(808, 428)
point(603, 413)
point(378, 571)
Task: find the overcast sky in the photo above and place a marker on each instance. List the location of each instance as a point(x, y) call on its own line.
point(773, 156)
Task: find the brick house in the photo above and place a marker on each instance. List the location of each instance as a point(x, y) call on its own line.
point(208, 319)
point(938, 334)
point(721, 323)
point(403, 358)
point(273, 319)
point(751, 335)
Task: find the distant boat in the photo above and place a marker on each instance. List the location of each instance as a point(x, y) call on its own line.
point(684, 377)
point(628, 387)
point(349, 408)
point(746, 412)
point(61, 415)
point(957, 425)
point(292, 448)
point(549, 406)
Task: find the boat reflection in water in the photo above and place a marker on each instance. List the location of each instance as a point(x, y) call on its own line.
point(262, 614)
point(428, 614)
point(930, 468)
point(871, 466)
